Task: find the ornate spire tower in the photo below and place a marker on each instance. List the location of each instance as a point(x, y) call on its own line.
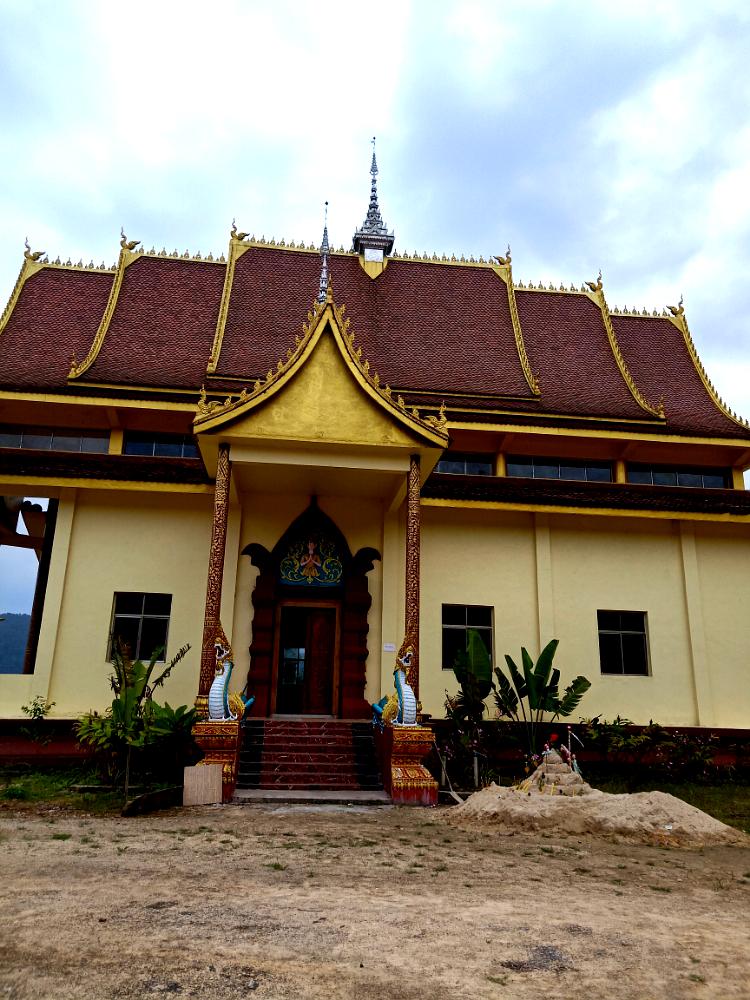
point(324, 250)
point(372, 239)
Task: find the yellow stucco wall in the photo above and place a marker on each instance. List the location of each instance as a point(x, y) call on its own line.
point(724, 560)
point(152, 543)
point(547, 575)
point(544, 575)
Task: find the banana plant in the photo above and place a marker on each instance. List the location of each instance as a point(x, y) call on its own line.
point(527, 693)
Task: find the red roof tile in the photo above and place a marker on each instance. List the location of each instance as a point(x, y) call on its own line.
point(163, 325)
point(658, 359)
point(417, 323)
point(57, 314)
point(571, 357)
point(425, 328)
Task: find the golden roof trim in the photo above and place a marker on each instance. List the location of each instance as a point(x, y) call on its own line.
point(233, 255)
point(76, 370)
point(596, 294)
point(312, 329)
point(677, 316)
point(504, 270)
point(35, 261)
point(28, 268)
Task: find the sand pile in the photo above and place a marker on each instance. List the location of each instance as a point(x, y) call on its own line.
point(645, 817)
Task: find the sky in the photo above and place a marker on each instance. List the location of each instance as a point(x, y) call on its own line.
point(586, 135)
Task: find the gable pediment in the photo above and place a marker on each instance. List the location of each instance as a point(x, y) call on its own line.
point(322, 393)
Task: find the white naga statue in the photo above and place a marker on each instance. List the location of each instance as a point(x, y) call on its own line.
point(221, 704)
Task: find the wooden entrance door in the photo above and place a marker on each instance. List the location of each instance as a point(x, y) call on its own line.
point(307, 659)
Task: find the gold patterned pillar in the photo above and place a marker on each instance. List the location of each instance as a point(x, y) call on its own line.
point(215, 576)
point(413, 526)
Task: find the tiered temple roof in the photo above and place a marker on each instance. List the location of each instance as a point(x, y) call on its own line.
point(459, 331)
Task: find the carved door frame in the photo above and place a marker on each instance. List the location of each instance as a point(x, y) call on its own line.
point(299, 602)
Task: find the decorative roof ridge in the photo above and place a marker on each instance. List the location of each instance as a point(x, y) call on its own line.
point(677, 316)
point(551, 287)
point(639, 314)
point(248, 240)
point(505, 270)
point(596, 295)
point(209, 410)
point(193, 258)
point(426, 258)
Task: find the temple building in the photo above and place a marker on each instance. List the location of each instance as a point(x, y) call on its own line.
point(323, 451)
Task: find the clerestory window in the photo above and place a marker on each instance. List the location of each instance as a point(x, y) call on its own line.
point(531, 467)
point(459, 464)
point(665, 475)
point(160, 445)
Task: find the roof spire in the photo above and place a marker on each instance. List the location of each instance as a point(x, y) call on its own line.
point(372, 238)
point(324, 250)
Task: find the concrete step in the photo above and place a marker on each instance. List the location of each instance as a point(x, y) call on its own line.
point(310, 796)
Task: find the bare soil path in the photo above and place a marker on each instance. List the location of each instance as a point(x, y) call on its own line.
point(296, 902)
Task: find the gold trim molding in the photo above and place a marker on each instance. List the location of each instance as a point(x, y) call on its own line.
point(504, 270)
point(677, 316)
point(596, 295)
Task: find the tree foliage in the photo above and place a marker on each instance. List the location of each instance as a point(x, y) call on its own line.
point(135, 729)
point(528, 693)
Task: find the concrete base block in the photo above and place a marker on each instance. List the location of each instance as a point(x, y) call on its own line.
point(202, 785)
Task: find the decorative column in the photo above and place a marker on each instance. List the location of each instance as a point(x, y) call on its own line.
point(402, 748)
point(215, 576)
point(413, 527)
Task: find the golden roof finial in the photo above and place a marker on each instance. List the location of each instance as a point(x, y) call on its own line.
point(329, 293)
point(30, 254)
point(235, 235)
point(596, 286)
point(504, 261)
point(125, 243)
point(679, 309)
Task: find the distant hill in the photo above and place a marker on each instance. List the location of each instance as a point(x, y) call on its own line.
point(14, 632)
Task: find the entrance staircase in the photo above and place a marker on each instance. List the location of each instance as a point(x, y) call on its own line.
point(301, 756)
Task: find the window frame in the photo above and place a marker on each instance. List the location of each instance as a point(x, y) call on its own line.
point(561, 462)
point(137, 654)
point(466, 458)
point(620, 633)
point(657, 468)
point(86, 434)
point(156, 438)
point(490, 629)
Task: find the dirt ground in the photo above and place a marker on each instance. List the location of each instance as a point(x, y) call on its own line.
point(337, 902)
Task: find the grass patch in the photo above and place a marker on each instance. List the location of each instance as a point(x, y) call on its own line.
point(52, 786)
point(61, 836)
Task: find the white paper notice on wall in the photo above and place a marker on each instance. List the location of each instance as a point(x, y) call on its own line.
point(389, 647)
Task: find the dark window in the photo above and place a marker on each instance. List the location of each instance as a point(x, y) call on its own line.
point(559, 468)
point(662, 475)
point(466, 465)
point(457, 620)
point(623, 644)
point(51, 439)
point(160, 445)
point(141, 623)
